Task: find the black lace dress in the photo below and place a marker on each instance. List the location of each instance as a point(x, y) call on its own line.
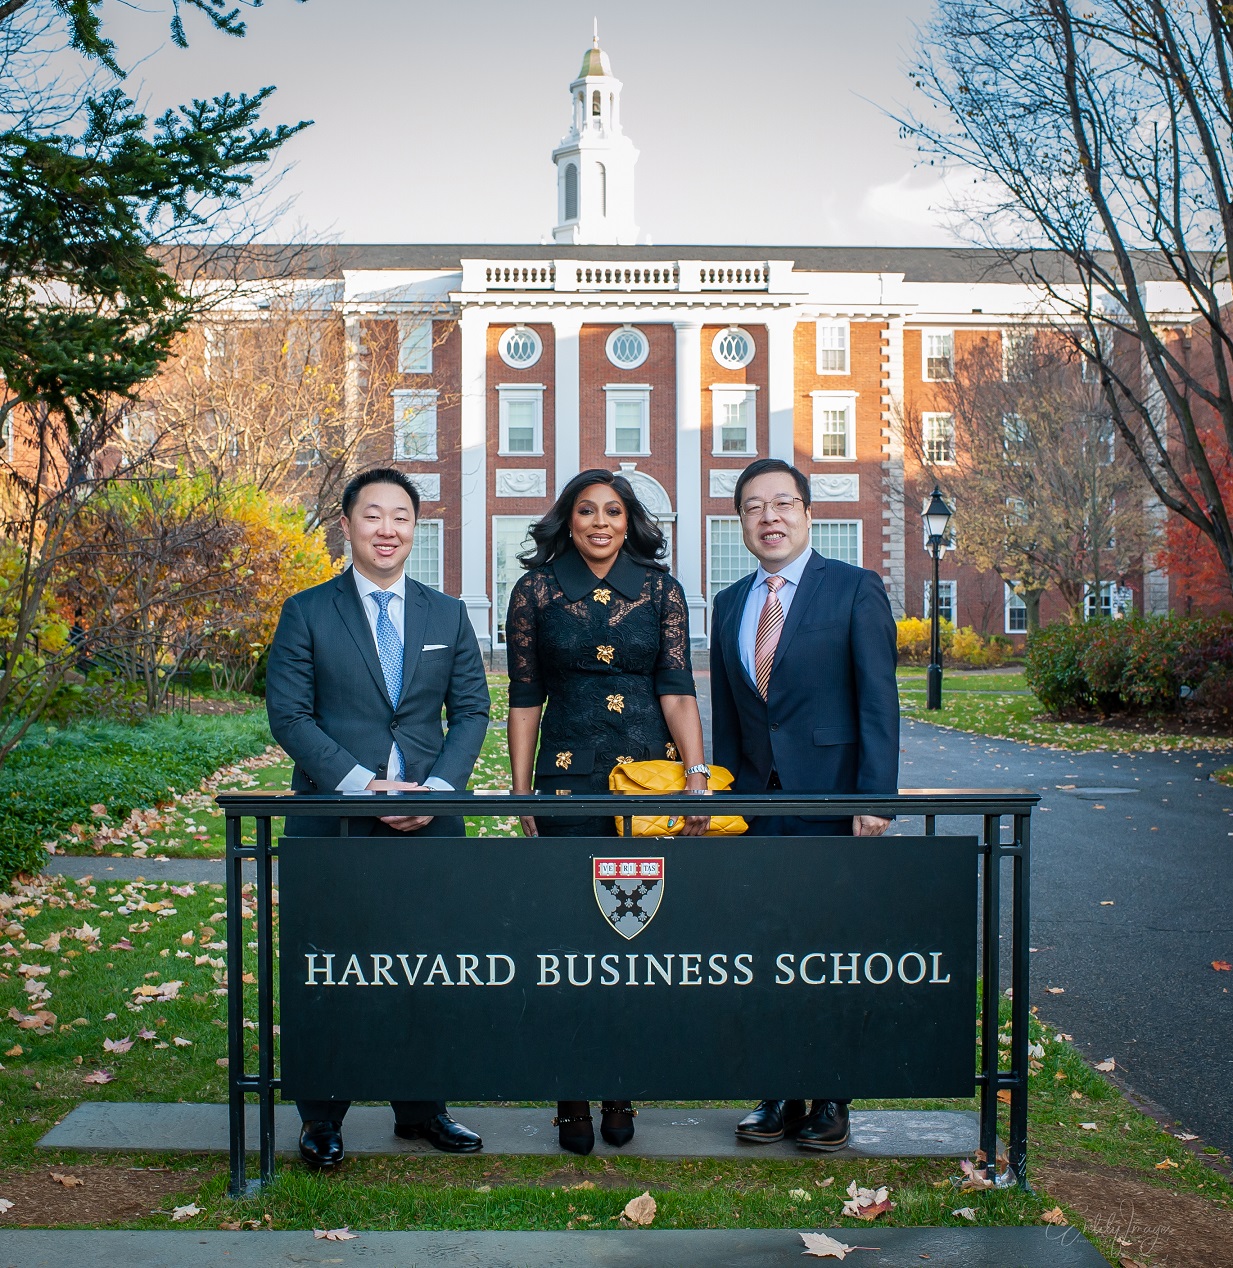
point(601, 653)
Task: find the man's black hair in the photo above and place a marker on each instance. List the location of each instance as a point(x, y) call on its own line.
point(764, 466)
point(379, 475)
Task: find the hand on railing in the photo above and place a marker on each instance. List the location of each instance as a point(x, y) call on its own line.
point(401, 823)
point(869, 825)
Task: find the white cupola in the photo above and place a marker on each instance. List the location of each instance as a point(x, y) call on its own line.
point(595, 161)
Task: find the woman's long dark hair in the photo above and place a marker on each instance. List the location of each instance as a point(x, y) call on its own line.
point(644, 543)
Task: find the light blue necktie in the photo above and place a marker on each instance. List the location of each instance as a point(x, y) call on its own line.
point(389, 649)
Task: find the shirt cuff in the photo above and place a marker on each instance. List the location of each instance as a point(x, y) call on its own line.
point(437, 784)
point(356, 779)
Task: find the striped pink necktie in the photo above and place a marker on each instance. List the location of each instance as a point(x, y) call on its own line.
point(770, 624)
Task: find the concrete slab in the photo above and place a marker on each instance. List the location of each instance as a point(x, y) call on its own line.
point(176, 871)
point(662, 1133)
point(702, 1248)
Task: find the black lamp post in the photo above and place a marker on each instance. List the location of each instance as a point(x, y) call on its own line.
point(936, 516)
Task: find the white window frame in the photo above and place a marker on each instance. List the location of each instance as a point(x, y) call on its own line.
point(1013, 603)
point(815, 532)
point(834, 401)
point(415, 345)
point(925, 358)
point(611, 340)
point(6, 436)
point(439, 528)
point(421, 404)
point(713, 587)
point(625, 392)
point(729, 393)
point(833, 323)
point(751, 345)
point(950, 587)
point(498, 608)
point(1106, 595)
point(508, 393)
point(927, 420)
point(503, 347)
point(1025, 337)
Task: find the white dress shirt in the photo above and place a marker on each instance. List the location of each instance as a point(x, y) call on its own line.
point(357, 778)
point(748, 633)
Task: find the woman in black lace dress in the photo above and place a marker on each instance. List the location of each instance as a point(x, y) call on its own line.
point(597, 640)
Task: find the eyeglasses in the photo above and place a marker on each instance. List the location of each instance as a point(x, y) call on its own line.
point(781, 506)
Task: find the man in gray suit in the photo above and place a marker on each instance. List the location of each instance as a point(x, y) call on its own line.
point(359, 670)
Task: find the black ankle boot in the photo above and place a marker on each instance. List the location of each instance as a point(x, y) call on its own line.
point(616, 1124)
point(574, 1129)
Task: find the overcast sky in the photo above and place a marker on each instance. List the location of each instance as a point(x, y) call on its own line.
point(758, 121)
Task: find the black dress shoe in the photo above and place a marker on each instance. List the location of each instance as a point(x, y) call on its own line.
point(826, 1128)
point(321, 1144)
point(616, 1124)
point(575, 1131)
point(441, 1132)
point(771, 1121)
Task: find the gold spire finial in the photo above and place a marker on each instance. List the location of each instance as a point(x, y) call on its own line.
point(595, 37)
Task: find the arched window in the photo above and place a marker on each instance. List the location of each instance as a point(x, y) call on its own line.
point(603, 189)
point(571, 192)
point(595, 103)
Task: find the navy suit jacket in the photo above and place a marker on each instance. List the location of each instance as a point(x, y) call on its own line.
point(830, 722)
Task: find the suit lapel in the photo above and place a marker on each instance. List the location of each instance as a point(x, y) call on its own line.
point(414, 622)
point(347, 601)
point(732, 635)
point(806, 589)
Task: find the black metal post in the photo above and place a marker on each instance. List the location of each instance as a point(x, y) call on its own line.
point(989, 993)
point(264, 911)
point(933, 685)
point(235, 1004)
point(1019, 1011)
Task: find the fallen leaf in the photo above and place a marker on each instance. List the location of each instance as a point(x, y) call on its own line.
point(186, 1212)
point(1106, 902)
point(5, 1205)
point(966, 1212)
point(1055, 1216)
point(343, 1234)
point(583, 1184)
point(117, 1045)
point(68, 1181)
point(867, 1204)
point(640, 1210)
point(99, 1076)
point(1222, 966)
point(822, 1184)
point(1165, 1163)
point(823, 1247)
point(98, 810)
point(1004, 1095)
point(15, 1051)
point(1056, 990)
point(1106, 1065)
point(146, 1034)
point(1089, 1127)
point(1185, 1136)
point(801, 1195)
point(182, 1043)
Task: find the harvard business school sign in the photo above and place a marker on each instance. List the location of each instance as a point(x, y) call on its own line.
point(555, 969)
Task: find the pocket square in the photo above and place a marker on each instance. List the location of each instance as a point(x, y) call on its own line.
point(434, 647)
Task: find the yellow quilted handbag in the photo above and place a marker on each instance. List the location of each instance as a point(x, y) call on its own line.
point(662, 776)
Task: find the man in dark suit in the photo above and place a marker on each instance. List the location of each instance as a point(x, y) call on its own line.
point(359, 670)
point(804, 699)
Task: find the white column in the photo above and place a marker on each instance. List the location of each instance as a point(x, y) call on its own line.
point(780, 441)
point(474, 463)
point(689, 473)
point(567, 425)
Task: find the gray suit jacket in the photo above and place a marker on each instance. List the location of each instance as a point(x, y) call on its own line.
point(326, 695)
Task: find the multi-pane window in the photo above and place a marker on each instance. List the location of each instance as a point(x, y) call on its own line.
point(1014, 432)
point(733, 348)
point(939, 354)
point(832, 347)
point(415, 346)
point(834, 425)
point(1106, 600)
point(510, 537)
point(946, 600)
point(520, 415)
point(520, 347)
point(837, 539)
point(1017, 348)
point(309, 452)
point(727, 558)
point(628, 421)
point(938, 437)
point(733, 411)
point(415, 425)
point(1016, 611)
point(627, 348)
point(426, 563)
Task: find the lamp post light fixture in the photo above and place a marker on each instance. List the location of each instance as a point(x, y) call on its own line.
point(937, 518)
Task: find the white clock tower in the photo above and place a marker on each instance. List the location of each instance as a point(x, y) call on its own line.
point(595, 161)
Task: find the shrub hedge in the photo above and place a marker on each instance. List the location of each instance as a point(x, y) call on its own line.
point(1140, 664)
point(54, 776)
point(959, 647)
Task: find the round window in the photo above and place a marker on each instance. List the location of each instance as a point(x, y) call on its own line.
point(733, 347)
point(627, 348)
point(520, 347)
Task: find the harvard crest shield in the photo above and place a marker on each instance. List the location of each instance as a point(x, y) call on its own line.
point(628, 892)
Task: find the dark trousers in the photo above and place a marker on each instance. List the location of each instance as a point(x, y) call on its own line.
point(409, 1112)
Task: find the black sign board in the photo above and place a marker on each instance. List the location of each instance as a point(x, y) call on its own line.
point(657, 968)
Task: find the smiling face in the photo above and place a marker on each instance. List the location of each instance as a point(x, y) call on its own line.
point(380, 528)
point(598, 525)
point(775, 537)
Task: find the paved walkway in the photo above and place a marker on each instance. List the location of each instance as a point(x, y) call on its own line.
point(662, 1248)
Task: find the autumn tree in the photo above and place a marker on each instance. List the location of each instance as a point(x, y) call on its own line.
point(1099, 134)
point(1045, 492)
